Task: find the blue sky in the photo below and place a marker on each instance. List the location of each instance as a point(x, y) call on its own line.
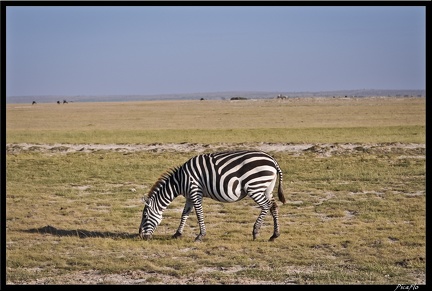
point(146, 50)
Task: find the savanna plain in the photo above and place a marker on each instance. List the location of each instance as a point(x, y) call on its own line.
point(354, 180)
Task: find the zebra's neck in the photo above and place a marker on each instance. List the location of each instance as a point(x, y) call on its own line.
point(165, 190)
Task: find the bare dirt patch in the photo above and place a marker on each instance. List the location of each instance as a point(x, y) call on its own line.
point(325, 149)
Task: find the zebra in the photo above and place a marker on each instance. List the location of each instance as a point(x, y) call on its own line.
point(226, 176)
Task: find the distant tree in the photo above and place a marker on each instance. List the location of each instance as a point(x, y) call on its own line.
point(58, 102)
point(34, 102)
point(64, 101)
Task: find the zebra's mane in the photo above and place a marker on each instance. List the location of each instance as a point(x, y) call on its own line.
point(162, 180)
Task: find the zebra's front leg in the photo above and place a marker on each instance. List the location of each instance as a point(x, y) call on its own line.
point(185, 214)
point(274, 213)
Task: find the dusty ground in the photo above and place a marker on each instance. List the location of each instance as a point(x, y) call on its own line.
point(94, 277)
point(321, 149)
point(138, 277)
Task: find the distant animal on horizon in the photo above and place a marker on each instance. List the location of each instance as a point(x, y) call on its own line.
point(34, 102)
point(226, 176)
point(64, 101)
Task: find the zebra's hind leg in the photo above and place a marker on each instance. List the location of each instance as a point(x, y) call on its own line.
point(200, 217)
point(274, 213)
point(259, 222)
point(265, 204)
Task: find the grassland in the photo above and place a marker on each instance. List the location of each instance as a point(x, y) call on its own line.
point(351, 217)
point(299, 120)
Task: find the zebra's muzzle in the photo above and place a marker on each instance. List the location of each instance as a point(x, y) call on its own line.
point(145, 236)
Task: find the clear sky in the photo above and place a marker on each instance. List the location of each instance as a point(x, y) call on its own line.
point(146, 50)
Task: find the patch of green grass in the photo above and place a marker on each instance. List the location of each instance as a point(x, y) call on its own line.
point(388, 134)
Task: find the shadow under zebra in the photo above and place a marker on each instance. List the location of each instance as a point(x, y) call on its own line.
point(82, 233)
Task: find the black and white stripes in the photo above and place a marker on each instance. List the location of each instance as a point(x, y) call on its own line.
point(223, 176)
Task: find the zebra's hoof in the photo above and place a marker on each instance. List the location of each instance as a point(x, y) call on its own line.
point(199, 238)
point(254, 235)
point(273, 237)
point(177, 235)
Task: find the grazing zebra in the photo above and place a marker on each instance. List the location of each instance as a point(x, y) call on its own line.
point(223, 176)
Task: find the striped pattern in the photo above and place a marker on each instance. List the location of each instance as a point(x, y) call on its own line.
point(223, 176)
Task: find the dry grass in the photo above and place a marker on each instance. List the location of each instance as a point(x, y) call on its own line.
point(212, 114)
point(291, 120)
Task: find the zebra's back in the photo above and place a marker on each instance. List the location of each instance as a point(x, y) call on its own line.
point(230, 176)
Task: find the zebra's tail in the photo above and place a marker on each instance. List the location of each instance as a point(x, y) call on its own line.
point(280, 190)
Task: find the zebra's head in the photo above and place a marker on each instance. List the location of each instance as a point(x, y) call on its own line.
point(150, 219)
